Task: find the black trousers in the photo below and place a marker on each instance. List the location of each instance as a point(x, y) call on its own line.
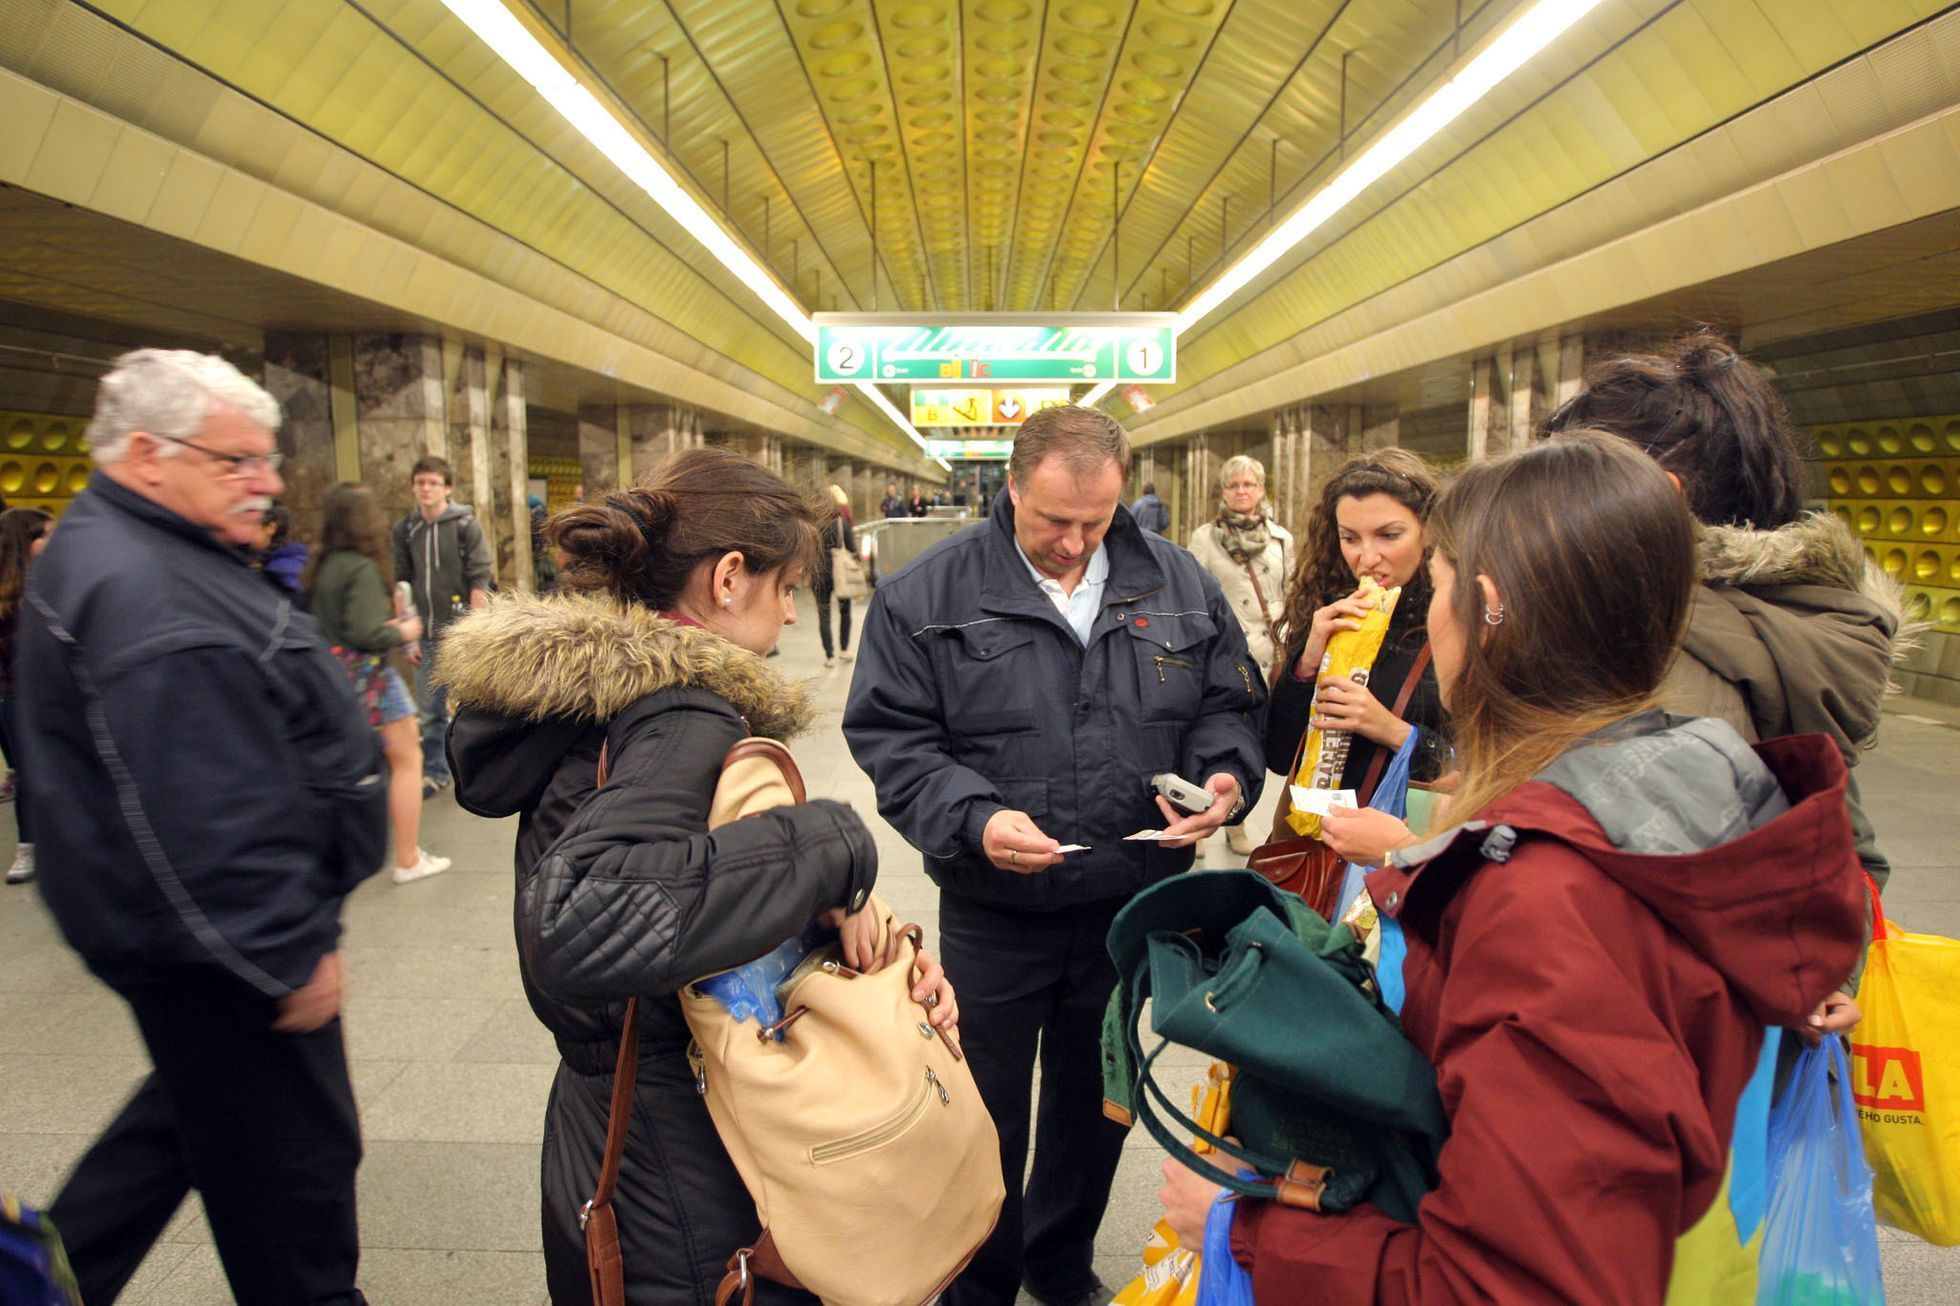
point(262, 1124)
point(10, 741)
point(823, 622)
point(1028, 979)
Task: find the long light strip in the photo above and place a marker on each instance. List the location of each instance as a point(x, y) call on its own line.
point(507, 37)
point(1530, 33)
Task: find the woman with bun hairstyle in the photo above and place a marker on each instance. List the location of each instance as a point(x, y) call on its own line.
point(674, 591)
point(1792, 630)
point(1370, 522)
point(1623, 902)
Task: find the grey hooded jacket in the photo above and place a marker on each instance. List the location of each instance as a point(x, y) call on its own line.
point(442, 562)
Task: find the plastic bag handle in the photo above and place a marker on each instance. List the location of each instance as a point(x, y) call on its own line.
point(1878, 910)
point(1841, 1082)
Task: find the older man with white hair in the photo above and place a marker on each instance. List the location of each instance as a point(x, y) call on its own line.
point(210, 792)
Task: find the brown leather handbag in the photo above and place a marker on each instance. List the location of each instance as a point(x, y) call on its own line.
point(1302, 864)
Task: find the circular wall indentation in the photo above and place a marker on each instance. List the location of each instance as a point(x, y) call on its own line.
point(1190, 8)
point(1074, 74)
point(1868, 521)
point(1075, 45)
point(996, 93)
point(857, 113)
point(1840, 480)
point(1894, 561)
point(1869, 481)
point(1172, 36)
point(1000, 67)
point(1138, 113)
point(1153, 64)
point(998, 153)
point(1829, 444)
point(1922, 438)
point(78, 479)
point(844, 65)
point(1127, 131)
point(1858, 440)
point(1898, 479)
point(20, 435)
point(833, 35)
point(1001, 41)
point(1058, 140)
point(13, 476)
point(922, 47)
point(913, 17)
point(1918, 605)
point(855, 89)
point(1062, 119)
point(1953, 570)
point(995, 114)
point(932, 120)
point(821, 8)
point(928, 98)
point(1088, 17)
point(47, 478)
point(863, 134)
point(1842, 513)
point(1952, 433)
point(1932, 479)
point(1927, 566)
point(55, 438)
point(1890, 441)
point(1118, 149)
point(933, 140)
point(925, 74)
point(1950, 612)
point(1933, 522)
point(1146, 89)
point(1899, 522)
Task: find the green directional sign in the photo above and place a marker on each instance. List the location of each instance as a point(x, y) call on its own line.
point(919, 348)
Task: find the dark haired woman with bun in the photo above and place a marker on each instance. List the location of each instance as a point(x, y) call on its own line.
point(675, 591)
point(1793, 630)
point(1623, 901)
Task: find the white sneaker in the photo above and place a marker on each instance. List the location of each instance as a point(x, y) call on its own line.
point(23, 868)
point(425, 866)
point(846, 656)
point(830, 662)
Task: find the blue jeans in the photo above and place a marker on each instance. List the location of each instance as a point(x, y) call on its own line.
point(434, 700)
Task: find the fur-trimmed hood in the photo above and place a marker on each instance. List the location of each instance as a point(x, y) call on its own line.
point(569, 657)
point(1800, 625)
point(1816, 549)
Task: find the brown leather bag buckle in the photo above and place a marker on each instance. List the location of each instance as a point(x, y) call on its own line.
point(1302, 1185)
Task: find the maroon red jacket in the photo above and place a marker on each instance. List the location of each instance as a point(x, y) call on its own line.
point(1593, 1014)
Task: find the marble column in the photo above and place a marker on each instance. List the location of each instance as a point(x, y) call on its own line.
point(296, 375)
point(469, 426)
point(598, 449)
point(1486, 409)
point(506, 515)
point(867, 490)
point(1325, 446)
point(1571, 367)
point(1380, 426)
point(398, 395)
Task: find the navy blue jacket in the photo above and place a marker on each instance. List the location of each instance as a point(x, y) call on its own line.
point(972, 695)
point(1151, 514)
point(207, 790)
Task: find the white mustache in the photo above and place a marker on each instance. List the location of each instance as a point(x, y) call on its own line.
point(258, 506)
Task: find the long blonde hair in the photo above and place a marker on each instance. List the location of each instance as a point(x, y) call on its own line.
point(1592, 551)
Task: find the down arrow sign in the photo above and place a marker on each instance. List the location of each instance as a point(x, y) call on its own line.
point(1010, 408)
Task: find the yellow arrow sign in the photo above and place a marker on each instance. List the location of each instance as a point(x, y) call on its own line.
point(968, 407)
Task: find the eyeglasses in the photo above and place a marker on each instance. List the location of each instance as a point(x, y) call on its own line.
point(240, 465)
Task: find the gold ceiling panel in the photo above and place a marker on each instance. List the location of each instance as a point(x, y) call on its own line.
point(1001, 52)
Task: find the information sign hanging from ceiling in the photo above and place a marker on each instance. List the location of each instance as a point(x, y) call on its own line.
point(933, 406)
point(922, 348)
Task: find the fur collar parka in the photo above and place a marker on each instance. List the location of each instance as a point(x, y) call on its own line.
point(623, 892)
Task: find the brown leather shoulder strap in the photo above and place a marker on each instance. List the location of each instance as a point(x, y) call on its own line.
point(1375, 768)
point(625, 1070)
point(1259, 593)
point(773, 749)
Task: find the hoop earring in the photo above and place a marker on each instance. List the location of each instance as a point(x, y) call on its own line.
point(1494, 616)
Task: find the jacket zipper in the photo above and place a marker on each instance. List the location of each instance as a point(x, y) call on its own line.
point(429, 574)
point(845, 1148)
point(1163, 661)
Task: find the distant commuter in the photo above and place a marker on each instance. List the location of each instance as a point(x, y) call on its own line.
point(1017, 687)
point(352, 596)
point(1251, 556)
point(920, 505)
point(279, 556)
point(838, 533)
point(894, 504)
point(1150, 512)
point(23, 534)
point(441, 551)
point(206, 792)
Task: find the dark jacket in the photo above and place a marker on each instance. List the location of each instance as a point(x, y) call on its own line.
point(1286, 721)
point(351, 605)
point(1591, 966)
point(284, 564)
point(972, 695)
point(442, 562)
point(194, 747)
point(623, 893)
point(1151, 514)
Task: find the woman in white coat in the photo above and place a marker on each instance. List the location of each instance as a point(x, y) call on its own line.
point(1250, 554)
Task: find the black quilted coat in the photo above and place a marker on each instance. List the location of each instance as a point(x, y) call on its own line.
point(623, 892)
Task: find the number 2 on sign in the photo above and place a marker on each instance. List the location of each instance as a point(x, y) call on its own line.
point(845, 359)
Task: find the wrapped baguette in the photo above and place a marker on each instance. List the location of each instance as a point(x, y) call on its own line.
point(1350, 655)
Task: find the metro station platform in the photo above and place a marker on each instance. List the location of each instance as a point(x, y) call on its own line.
point(451, 1069)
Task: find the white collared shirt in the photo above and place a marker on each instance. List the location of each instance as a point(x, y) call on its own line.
point(1079, 609)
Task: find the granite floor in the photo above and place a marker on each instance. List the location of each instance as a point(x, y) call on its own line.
point(451, 1069)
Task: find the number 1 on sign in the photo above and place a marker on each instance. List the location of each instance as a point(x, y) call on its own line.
point(1144, 357)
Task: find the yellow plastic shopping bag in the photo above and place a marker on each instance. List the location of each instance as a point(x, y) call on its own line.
point(1170, 1271)
point(1905, 1078)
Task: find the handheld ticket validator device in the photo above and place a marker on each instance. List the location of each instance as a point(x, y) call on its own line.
point(1181, 793)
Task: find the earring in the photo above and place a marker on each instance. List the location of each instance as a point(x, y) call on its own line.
point(1494, 616)
point(728, 600)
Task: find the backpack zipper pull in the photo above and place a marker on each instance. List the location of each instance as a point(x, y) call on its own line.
point(945, 1098)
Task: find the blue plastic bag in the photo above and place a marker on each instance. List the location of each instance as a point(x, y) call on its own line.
point(1392, 796)
point(1820, 1238)
point(749, 991)
point(1221, 1280)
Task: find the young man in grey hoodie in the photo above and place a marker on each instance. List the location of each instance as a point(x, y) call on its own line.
point(441, 551)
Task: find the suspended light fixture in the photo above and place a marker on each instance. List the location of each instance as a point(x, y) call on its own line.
point(508, 38)
point(1534, 29)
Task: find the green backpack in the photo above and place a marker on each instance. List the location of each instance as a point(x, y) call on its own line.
point(1331, 1105)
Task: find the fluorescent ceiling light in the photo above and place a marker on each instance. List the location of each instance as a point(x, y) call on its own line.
point(1533, 30)
point(889, 409)
point(497, 27)
point(1536, 28)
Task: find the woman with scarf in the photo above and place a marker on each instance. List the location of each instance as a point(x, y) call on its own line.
point(1250, 554)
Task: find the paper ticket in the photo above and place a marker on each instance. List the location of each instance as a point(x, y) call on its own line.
point(1318, 801)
